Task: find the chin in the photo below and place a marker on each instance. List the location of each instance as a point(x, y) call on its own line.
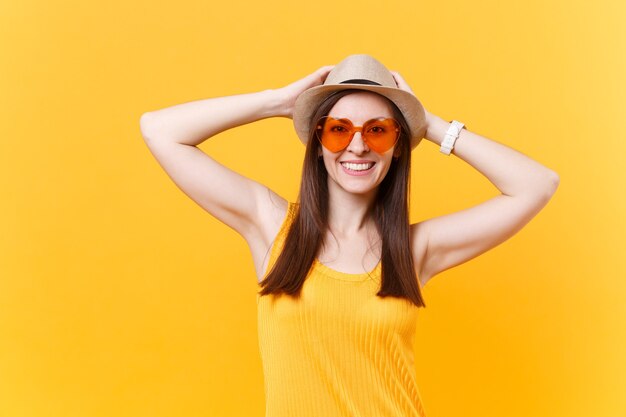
point(358, 190)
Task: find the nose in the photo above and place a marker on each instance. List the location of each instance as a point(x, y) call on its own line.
point(357, 144)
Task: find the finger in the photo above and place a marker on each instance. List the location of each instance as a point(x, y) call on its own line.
point(323, 72)
point(398, 78)
point(318, 74)
point(400, 81)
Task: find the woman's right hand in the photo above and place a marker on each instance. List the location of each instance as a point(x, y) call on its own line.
point(288, 94)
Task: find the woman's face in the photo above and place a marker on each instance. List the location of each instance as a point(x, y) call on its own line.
point(358, 107)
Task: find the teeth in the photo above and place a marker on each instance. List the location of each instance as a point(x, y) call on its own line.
point(357, 167)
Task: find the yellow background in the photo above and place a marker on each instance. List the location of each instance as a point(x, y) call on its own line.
point(121, 297)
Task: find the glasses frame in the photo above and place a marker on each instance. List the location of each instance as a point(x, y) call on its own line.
point(319, 126)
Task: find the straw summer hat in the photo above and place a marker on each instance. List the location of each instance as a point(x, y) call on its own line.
point(361, 72)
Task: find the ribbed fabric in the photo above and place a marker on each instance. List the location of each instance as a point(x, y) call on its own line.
point(339, 351)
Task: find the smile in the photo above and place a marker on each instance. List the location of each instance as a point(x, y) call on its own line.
point(357, 169)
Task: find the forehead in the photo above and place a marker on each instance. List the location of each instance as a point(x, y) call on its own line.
point(361, 106)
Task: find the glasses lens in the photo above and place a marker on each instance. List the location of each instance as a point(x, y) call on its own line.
point(335, 133)
point(381, 134)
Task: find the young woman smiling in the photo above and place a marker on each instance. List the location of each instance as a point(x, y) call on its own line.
point(341, 271)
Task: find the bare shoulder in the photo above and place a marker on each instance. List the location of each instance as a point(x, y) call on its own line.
point(271, 211)
point(419, 245)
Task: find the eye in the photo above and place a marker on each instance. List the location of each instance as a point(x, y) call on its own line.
point(338, 129)
point(377, 129)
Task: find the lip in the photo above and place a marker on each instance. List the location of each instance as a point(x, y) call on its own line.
point(358, 173)
point(358, 161)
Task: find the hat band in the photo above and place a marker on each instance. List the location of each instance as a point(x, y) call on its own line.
point(360, 81)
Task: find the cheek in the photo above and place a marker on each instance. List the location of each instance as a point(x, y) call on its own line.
point(329, 160)
point(328, 164)
point(386, 168)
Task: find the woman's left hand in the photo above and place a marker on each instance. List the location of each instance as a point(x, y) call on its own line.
point(403, 85)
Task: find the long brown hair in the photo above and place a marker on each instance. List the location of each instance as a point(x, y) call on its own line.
point(391, 215)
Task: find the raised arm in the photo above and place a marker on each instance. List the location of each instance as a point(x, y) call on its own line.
point(525, 185)
point(173, 133)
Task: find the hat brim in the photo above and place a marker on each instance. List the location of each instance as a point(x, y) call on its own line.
point(407, 103)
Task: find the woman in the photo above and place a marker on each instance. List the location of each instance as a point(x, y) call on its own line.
point(341, 270)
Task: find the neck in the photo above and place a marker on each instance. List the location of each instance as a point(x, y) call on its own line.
point(350, 214)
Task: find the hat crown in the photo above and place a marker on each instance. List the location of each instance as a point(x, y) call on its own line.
point(360, 67)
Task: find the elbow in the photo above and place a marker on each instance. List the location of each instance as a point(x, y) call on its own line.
point(145, 125)
point(542, 189)
point(552, 183)
point(151, 127)
point(554, 180)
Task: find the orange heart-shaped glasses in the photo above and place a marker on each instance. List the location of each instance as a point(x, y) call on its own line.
point(380, 134)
